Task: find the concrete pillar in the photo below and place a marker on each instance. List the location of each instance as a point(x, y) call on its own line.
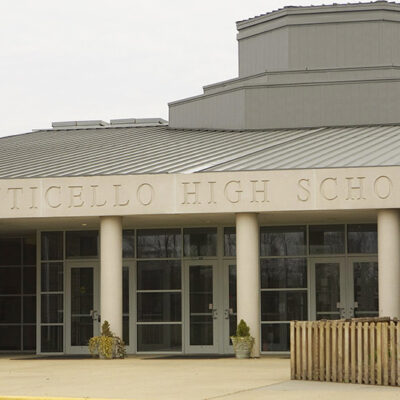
point(389, 263)
point(248, 274)
point(111, 272)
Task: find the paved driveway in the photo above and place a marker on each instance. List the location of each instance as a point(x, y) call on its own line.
point(165, 378)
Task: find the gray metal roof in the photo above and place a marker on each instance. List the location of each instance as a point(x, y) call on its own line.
point(159, 149)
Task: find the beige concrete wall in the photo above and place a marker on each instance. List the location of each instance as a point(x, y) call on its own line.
point(222, 192)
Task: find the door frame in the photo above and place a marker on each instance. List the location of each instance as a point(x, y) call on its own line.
point(226, 347)
point(131, 265)
point(95, 264)
point(199, 349)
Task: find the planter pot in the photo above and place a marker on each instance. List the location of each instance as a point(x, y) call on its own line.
point(242, 346)
point(102, 356)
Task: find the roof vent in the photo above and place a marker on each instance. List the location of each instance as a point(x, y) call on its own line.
point(96, 123)
point(138, 122)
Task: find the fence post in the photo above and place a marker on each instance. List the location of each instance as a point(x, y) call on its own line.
point(298, 350)
point(398, 352)
point(353, 352)
point(304, 348)
point(385, 355)
point(346, 351)
point(321, 351)
point(315, 352)
point(392, 355)
point(328, 349)
point(359, 352)
point(372, 352)
point(340, 351)
point(366, 355)
point(310, 351)
point(379, 353)
point(334, 351)
point(292, 351)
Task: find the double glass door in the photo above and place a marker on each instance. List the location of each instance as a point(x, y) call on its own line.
point(344, 289)
point(210, 306)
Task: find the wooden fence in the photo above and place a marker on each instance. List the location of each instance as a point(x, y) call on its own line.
point(346, 351)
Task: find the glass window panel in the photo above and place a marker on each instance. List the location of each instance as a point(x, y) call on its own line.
point(159, 307)
point(52, 307)
point(52, 246)
point(230, 242)
point(29, 311)
point(159, 275)
point(283, 273)
point(10, 338)
point(200, 242)
point(201, 330)
point(52, 277)
point(232, 288)
point(10, 251)
point(81, 290)
point(10, 280)
point(29, 337)
point(275, 337)
point(30, 250)
point(283, 241)
point(10, 309)
point(159, 337)
point(366, 286)
point(159, 243)
point(283, 305)
point(29, 280)
point(125, 329)
point(81, 244)
point(201, 288)
point(52, 339)
point(327, 286)
point(125, 290)
point(81, 330)
point(362, 238)
point(327, 239)
point(128, 243)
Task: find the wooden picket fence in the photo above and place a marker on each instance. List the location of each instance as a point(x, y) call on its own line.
point(350, 351)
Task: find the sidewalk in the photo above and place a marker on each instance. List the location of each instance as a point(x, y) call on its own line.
point(145, 378)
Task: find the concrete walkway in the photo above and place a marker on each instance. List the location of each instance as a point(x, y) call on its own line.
point(164, 378)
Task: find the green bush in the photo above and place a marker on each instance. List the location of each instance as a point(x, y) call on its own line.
point(243, 330)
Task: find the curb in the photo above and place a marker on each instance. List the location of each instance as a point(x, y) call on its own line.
point(54, 398)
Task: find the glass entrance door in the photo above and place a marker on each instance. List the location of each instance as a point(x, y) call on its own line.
point(202, 308)
point(329, 288)
point(82, 307)
point(364, 290)
point(344, 290)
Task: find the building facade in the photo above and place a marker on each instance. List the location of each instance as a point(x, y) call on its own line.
point(271, 197)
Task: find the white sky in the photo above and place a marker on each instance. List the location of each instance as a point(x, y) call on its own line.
point(66, 60)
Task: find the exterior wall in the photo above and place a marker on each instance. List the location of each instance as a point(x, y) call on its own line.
point(296, 104)
point(317, 45)
point(331, 104)
point(264, 52)
point(217, 112)
point(222, 192)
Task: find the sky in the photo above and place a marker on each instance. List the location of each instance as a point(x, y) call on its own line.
point(63, 60)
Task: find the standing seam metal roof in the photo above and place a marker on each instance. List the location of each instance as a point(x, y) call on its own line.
point(160, 149)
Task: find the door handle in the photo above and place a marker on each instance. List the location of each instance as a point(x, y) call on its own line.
point(95, 315)
point(228, 312)
point(215, 313)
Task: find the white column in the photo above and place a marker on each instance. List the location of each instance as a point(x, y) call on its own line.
point(389, 263)
point(111, 272)
point(248, 274)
